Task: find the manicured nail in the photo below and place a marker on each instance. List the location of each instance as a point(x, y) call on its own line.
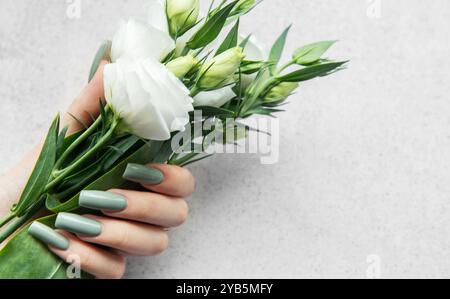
point(104, 201)
point(48, 236)
point(143, 174)
point(78, 224)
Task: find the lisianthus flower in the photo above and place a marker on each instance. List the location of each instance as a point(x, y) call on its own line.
point(138, 40)
point(150, 100)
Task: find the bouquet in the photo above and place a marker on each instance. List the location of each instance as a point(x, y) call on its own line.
point(180, 71)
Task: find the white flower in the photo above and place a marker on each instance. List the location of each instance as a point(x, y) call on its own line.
point(215, 98)
point(157, 15)
point(138, 40)
point(150, 100)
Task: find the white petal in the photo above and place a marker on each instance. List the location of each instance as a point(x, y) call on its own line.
point(118, 44)
point(215, 98)
point(137, 40)
point(157, 15)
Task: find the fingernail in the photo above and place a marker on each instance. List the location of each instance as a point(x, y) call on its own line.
point(142, 174)
point(104, 201)
point(78, 224)
point(48, 236)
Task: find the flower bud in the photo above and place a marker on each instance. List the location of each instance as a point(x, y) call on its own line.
point(220, 69)
point(281, 92)
point(182, 65)
point(182, 15)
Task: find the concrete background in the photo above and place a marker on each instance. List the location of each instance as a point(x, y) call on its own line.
point(361, 187)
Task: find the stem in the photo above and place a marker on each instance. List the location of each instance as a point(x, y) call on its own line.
point(195, 91)
point(18, 222)
point(70, 169)
point(7, 219)
point(284, 67)
point(77, 142)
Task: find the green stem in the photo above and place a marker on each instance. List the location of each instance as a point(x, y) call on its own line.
point(19, 222)
point(184, 159)
point(292, 62)
point(73, 167)
point(195, 91)
point(79, 141)
point(7, 219)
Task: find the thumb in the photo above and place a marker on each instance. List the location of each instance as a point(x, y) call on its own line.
point(86, 105)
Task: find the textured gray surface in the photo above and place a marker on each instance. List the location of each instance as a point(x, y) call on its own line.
point(365, 154)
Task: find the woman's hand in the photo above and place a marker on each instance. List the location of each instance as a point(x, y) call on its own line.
point(132, 222)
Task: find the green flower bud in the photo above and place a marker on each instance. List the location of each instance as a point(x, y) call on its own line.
point(182, 65)
point(220, 69)
point(281, 92)
point(182, 15)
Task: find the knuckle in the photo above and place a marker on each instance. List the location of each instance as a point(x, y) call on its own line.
point(147, 211)
point(118, 271)
point(161, 244)
point(182, 213)
point(120, 238)
point(189, 180)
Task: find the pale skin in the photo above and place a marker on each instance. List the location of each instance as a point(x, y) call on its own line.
point(140, 229)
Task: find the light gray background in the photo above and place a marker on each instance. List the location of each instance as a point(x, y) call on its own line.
point(365, 154)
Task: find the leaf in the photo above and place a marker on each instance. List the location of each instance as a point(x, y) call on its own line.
point(277, 49)
point(231, 41)
point(211, 29)
point(312, 53)
point(60, 142)
point(41, 173)
point(112, 179)
point(312, 72)
point(24, 257)
point(250, 67)
point(103, 53)
point(245, 41)
point(208, 111)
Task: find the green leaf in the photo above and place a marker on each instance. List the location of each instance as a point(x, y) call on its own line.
point(211, 29)
point(208, 111)
point(312, 53)
point(112, 179)
point(103, 53)
point(277, 49)
point(42, 171)
point(231, 41)
point(24, 257)
point(312, 72)
point(60, 142)
point(250, 67)
point(245, 41)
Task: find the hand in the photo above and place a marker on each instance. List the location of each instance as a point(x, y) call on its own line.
point(133, 222)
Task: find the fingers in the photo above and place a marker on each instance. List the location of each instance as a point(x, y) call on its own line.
point(130, 237)
point(86, 105)
point(166, 179)
point(147, 207)
point(98, 262)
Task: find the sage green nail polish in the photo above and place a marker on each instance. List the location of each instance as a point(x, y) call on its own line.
point(143, 174)
point(48, 236)
point(78, 224)
point(105, 201)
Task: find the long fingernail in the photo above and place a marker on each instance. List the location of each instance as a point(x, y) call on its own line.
point(78, 224)
point(143, 174)
point(48, 236)
point(104, 201)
